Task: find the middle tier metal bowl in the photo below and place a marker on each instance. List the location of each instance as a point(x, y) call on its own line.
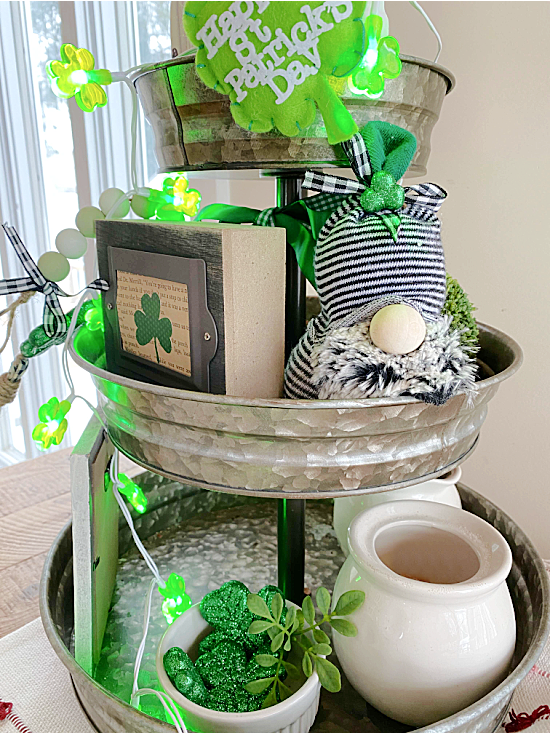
point(294, 448)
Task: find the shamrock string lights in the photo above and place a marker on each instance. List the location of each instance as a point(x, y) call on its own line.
point(175, 202)
point(75, 76)
point(176, 601)
point(130, 490)
point(53, 423)
point(94, 316)
point(380, 62)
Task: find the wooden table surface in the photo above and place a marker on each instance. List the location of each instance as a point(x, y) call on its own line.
point(35, 504)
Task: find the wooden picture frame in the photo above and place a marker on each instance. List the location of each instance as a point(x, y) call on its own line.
point(232, 279)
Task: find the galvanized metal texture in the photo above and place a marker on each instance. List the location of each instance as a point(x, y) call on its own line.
point(194, 129)
point(297, 448)
point(211, 529)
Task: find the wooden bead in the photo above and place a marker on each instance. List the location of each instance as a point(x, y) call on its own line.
point(397, 329)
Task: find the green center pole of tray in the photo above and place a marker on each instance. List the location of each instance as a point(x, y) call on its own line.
point(292, 512)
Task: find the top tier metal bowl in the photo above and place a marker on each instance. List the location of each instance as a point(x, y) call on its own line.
point(194, 130)
point(293, 448)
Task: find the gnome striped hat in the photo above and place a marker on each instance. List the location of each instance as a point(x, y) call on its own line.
point(380, 246)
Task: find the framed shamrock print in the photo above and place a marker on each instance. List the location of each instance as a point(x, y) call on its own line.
point(195, 306)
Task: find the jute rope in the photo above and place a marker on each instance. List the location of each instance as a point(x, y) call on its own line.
point(10, 380)
point(12, 307)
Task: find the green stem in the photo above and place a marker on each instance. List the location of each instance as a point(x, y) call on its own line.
point(156, 350)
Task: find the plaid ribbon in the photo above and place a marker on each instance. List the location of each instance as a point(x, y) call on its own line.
point(55, 324)
point(422, 200)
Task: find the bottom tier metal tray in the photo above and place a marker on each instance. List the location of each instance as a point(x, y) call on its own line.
point(209, 538)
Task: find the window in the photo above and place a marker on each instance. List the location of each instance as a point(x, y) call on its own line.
point(54, 159)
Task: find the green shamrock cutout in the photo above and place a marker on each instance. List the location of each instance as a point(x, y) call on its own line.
point(150, 326)
point(278, 61)
point(380, 62)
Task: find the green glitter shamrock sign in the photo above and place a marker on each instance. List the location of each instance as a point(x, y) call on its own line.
point(75, 76)
point(53, 424)
point(176, 600)
point(276, 60)
point(151, 327)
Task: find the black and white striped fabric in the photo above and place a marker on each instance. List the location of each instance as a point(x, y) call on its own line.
point(55, 324)
point(359, 268)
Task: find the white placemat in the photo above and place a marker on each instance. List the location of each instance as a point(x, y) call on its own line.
point(38, 686)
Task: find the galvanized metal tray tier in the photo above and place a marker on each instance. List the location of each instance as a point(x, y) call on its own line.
point(194, 130)
point(210, 538)
point(293, 448)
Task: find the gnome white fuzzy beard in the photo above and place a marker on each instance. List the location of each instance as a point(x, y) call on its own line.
point(347, 365)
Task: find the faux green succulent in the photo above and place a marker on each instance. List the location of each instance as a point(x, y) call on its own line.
point(293, 633)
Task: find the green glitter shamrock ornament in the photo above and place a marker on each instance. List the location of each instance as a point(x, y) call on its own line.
point(176, 600)
point(383, 193)
point(151, 327)
point(94, 316)
point(75, 76)
point(53, 424)
point(277, 61)
point(380, 62)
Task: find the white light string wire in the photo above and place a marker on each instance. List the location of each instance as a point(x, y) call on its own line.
point(432, 27)
point(128, 517)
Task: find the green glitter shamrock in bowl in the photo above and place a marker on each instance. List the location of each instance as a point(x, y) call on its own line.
point(53, 425)
point(75, 76)
point(176, 600)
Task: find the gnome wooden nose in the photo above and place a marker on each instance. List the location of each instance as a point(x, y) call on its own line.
point(397, 329)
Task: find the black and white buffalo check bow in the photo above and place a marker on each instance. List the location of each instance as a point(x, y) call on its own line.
point(422, 200)
point(55, 324)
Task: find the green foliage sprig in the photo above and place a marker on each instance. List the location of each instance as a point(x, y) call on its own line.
point(458, 305)
point(293, 635)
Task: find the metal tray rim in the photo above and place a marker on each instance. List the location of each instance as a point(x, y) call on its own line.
point(500, 693)
point(181, 394)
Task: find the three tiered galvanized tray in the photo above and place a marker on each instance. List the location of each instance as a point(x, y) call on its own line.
point(231, 456)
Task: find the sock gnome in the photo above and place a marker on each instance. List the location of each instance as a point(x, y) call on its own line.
point(381, 279)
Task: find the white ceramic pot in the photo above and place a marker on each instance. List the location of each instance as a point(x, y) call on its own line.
point(442, 490)
point(294, 715)
point(437, 630)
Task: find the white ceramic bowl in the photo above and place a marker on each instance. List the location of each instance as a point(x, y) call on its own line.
point(294, 715)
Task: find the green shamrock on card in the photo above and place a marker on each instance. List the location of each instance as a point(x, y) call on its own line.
point(151, 327)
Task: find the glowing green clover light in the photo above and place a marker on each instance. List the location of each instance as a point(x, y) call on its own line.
point(94, 316)
point(176, 601)
point(132, 492)
point(380, 62)
point(75, 76)
point(53, 424)
point(179, 199)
